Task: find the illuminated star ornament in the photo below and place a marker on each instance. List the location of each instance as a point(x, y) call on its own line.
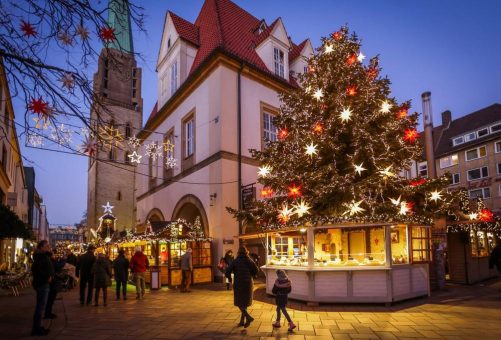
point(351, 90)
point(35, 140)
point(351, 59)
point(28, 29)
point(435, 196)
point(107, 34)
point(282, 133)
point(395, 202)
point(108, 208)
point(301, 208)
point(285, 213)
point(411, 135)
point(354, 208)
point(294, 191)
point(168, 146)
point(485, 215)
point(345, 115)
point(318, 94)
point(359, 168)
point(134, 142)
point(68, 81)
point(329, 48)
point(110, 136)
point(360, 57)
point(135, 157)
point(264, 171)
point(311, 150)
point(385, 107)
point(65, 38)
point(83, 32)
point(473, 216)
point(386, 172)
point(266, 192)
point(402, 113)
point(405, 207)
point(89, 147)
point(40, 108)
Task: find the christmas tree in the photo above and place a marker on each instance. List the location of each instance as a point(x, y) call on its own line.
point(342, 140)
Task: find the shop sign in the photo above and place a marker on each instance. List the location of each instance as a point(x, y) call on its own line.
point(248, 193)
point(480, 184)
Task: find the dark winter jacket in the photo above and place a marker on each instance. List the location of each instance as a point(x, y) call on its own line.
point(42, 269)
point(72, 259)
point(84, 265)
point(102, 272)
point(281, 289)
point(495, 258)
point(244, 270)
point(228, 259)
point(121, 268)
point(139, 262)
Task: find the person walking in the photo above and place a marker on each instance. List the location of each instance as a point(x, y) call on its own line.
point(84, 272)
point(43, 274)
point(71, 259)
point(228, 259)
point(281, 289)
point(121, 271)
point(55, 285)
point(138, 265)
point(101, 271)
point(186, 264)
point(244, 269)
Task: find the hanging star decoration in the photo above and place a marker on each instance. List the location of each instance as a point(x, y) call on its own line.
point(108, 208)
point(351, 90)
point(435, 196)
point(65, 38)
point(170, 162)
point(351, 59)
point(385, 107)
point(89, 147)
point(68, 81)
point(318, 128)
point(134, 142)
point(40, 123)
point(411, 135)
point(301, 209)
point(329, 48)
point(359, 168)
point(395, 202)
point(61, 135)
point(485, 215)
point(402, 113)
point(82, 32)
point(311, 149)
point(35, 140)
point(294, 191)
point(345, 115)
point(264, 171)
point(405, 207)
point(110, 136)
point(473, 216)
point(135, 157)
point(168, 146)
point(266, 192)
point(282, 133)
point(153, 150)
point(360, 57)
point(318, 94)
point(337, 35)
point(386, 172)
point(107, 34)
point(28, 29)
point(41, 108)
point(354, 208)
point(285, 213)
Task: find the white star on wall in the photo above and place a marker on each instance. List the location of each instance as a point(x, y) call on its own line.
point(108, 208)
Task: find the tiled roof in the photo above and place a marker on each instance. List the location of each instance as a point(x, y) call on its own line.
point(296, 50)
point(468, 123)
point(185, 29)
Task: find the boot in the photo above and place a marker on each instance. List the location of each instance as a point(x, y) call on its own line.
point(241, 324)
point(277, 324)
point(227, 286)
point(291, 326)
point(248, 321)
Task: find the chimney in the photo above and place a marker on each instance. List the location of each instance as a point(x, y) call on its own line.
point(446, 118)
point(428, 134)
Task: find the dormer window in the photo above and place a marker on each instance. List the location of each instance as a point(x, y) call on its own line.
point(261, 27)
point(279, 61)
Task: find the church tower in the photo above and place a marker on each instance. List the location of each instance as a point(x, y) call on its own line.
point(117, 84)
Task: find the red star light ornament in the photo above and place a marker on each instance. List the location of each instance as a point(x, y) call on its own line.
point(294, 191)
point(485, 215)
point(28, 29)
point(411, 135)
point(107, 34)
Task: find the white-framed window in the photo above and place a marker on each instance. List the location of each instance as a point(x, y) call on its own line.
point(481, 192)
point(189, 130)
point(482, 132)
point(470, 136)
point(423, 169)
point(282, 246)
point(455, 178)
point(497, 147)
point(279, 62)
point(458, 140)
point(475, 153)
point(496, 127)
point(269, 128)
point(173, 78)
point(479, 173)
point(448, 161)
point(498, 168)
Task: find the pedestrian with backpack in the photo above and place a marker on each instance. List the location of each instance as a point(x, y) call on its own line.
point(281, 289)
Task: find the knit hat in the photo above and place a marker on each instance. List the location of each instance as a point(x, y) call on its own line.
point(281, 275)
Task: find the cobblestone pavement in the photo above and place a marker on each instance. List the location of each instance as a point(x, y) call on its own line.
point(459, 312)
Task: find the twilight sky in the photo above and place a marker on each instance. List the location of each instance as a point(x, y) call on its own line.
point(451, 48)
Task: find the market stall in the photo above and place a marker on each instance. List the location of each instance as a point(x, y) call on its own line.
point(351, 263)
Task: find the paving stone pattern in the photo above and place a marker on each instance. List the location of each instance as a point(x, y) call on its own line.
point(459, 312)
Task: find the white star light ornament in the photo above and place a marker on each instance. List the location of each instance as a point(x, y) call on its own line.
point(396, 201)
point(345, 115)
point(134, 142)
point(385, 107)
point(473, 216)
point(311, 150)
point(435, 196)
point(329, 48)
point(301, 208)
point(404, 208)
point(264, 171)
point(135, 157)
point(35, 140)
point(68, 81)
point(360, 57)
point(108, 208)
point(285, 213)
point(386, 172)
point(359, 168)
point(354, 208)
point(318, 94)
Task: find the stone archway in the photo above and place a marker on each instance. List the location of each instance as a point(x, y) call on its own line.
point(155, 215)
point(189, 207)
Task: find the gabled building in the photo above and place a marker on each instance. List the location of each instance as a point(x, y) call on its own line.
point(218, 84)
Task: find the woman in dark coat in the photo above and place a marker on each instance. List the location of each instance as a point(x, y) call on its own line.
point(244, 269)
point(102, 277)
point(228, 259)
